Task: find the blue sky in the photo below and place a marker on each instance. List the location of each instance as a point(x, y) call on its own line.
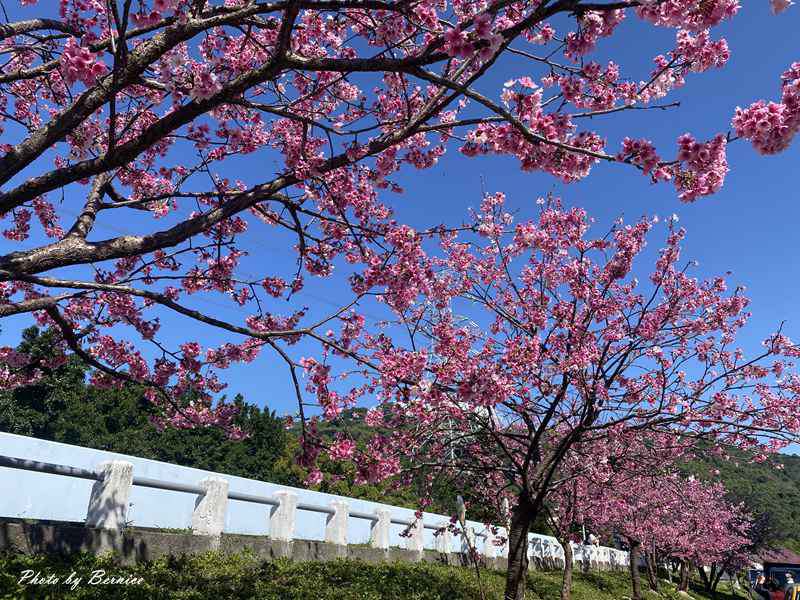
point(748, 228)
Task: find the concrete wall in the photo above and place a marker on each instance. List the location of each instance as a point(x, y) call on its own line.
point(136, 545)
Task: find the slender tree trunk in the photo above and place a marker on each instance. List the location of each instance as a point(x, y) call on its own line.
point(734, 581)
point(652, 570)
point(521, 518)
point(684, 584)
point(636, 584)
point(566, 581)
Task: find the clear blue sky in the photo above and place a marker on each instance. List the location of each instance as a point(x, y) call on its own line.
point(750, 227)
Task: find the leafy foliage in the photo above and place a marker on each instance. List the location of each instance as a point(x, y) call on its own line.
point(770, 490)
point(62, 407)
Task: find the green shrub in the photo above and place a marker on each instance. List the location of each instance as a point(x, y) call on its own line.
point(215, 576)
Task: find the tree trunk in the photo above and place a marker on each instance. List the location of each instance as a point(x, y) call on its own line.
point(715, 580)
point(684, 584)
point(566, 581)
point(516, 574)
point(705, 578)
point(652, 570)
point(636, 584)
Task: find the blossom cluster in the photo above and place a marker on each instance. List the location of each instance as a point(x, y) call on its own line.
point(592, 27)
point(702, 167)
point(693, 15)
point(80, 64)
point(458, 43)
point(771, 126)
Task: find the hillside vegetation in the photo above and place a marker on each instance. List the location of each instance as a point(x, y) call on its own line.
point(770, 492)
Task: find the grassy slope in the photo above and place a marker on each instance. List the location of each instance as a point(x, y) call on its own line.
point(216, 577)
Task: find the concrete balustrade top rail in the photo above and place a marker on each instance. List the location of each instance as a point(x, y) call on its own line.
point(59, 482)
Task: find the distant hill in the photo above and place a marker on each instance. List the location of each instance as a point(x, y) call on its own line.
point(769, 491)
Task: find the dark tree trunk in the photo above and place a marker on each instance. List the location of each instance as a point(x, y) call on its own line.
point(704, 576)
point(636, 584)
point(652, 570)
point(566, 581)
point(715, 580)
point(683, 586)
point(521, 518)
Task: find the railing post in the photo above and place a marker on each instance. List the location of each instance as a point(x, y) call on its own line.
point(416, 540)
point(549, 554)
point(379, 534)
point(282, 517)
point(336, 526)
point(211, 507)
point(108, 504)
point(444, 539)
point(490, 548)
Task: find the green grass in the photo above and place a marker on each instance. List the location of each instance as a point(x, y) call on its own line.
point(221, 577)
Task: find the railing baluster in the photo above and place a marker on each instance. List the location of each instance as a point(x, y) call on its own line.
point(336, 526)
point(211, 507)
point(444, 539)
point(379, 533)
point(108, 503)
point(282, 517)
point(416, 541)
point(491, 549)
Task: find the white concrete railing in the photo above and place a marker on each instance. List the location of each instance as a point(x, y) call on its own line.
point(115, 479)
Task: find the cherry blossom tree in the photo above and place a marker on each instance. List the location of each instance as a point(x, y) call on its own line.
point(627, 486)
point(592, 477)
point(533, 337)
point(114, 110)
point(117, 111)
point(666, 516)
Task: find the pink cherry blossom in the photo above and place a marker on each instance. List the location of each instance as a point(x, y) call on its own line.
point(79, 64)
point(778, 6)
point(342, 449)
point(702, 167)
point(693, 15)
point(771, 126)
point(205, 85)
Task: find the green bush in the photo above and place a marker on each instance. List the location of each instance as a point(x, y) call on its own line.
point(215, 576)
